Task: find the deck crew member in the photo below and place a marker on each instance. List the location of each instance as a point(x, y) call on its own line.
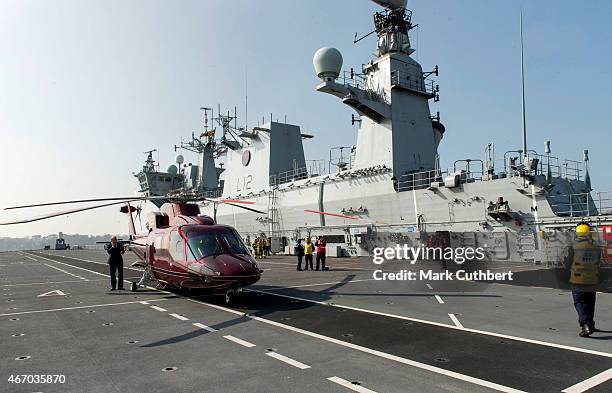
point(321, 253)
point(115, 263)
point(584, 256)
point(308, 250)
point(299, 251)
point(267, 246)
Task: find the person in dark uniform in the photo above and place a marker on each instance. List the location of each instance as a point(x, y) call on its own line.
point(115, 263)
point(321, 253)
point(299, 251)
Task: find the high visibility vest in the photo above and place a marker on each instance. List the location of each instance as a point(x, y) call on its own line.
point(308, 248)
point(585, 263)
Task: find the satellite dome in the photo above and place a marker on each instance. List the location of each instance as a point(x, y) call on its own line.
point(327, 62)
point(391, 4)
point(172, 169)
point(179, 159)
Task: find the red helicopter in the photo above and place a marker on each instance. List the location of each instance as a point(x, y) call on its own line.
point(182, 249)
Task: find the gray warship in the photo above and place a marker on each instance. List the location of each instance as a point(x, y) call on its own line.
point(389, 186)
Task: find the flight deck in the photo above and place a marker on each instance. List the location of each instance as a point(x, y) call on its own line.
point(294, 331)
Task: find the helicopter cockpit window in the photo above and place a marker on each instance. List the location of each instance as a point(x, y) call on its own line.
point(203, 244)
point(232, 241)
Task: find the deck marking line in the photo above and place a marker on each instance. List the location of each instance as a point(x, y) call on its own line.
point(429, 286)
point(239, 341)
point(288, 360)
point(455, 320)
point(29, 257)
point(69, 308)
point(202, 326)
point(177, 316)
point(323, 283)
point(590, 383)
point(63, 271)
point(439, 299)
point(158, 308)
point(348, 385)
point(55, 292)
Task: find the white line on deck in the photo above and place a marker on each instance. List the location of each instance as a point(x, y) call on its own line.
point(590, 383)
point(455, 321)
point(439, 299)
point(158, 308)
point(239, 341)
point(288, 360)
point(348, 385)
point(177, 316)
point(63, 271)
point(145, 302)
point(323, 283)
point(48, 282)
point(74, 267)
point(29, 257)
point(429, 286)
point(202, 326)
point(69, 308)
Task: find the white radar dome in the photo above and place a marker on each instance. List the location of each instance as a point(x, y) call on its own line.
point(179, 159)
point(327, 62)
point(391, 4)
point(172, 169)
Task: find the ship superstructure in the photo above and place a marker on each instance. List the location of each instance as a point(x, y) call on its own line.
point(389, 186)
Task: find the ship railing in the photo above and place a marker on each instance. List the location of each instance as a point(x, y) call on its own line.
point(419, 180)
point(213, 193)
point(470, 169)
point(582, 204)
point(351, 78)
point(413, 81)
point(566, 169)
point(289, 176)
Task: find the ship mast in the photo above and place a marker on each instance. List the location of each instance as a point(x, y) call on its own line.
point(524, 122)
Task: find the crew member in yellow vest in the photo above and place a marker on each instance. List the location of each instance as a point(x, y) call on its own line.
point(584, 256)
point(308, 250)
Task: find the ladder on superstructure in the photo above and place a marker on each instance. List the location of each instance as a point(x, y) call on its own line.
point(273, 219)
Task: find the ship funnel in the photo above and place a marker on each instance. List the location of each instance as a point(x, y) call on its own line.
point(327, 63)
point(391, 4)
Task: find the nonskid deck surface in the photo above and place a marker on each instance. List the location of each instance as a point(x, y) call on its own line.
point(292, 332)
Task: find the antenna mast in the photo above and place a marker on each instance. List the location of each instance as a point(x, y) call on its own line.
point(524, 123)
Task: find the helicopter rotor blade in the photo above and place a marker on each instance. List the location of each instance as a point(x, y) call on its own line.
point(63, 213)
point(246, 208)
point(122, 199)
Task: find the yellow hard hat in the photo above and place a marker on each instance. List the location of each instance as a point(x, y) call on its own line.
point(583, 229)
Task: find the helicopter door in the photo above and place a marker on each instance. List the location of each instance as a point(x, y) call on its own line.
point(161, 257)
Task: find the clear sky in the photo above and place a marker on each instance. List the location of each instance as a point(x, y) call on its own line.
point(87, 86)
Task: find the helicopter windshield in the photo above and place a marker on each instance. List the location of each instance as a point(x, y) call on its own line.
point(232, 241)
point(202, 244)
